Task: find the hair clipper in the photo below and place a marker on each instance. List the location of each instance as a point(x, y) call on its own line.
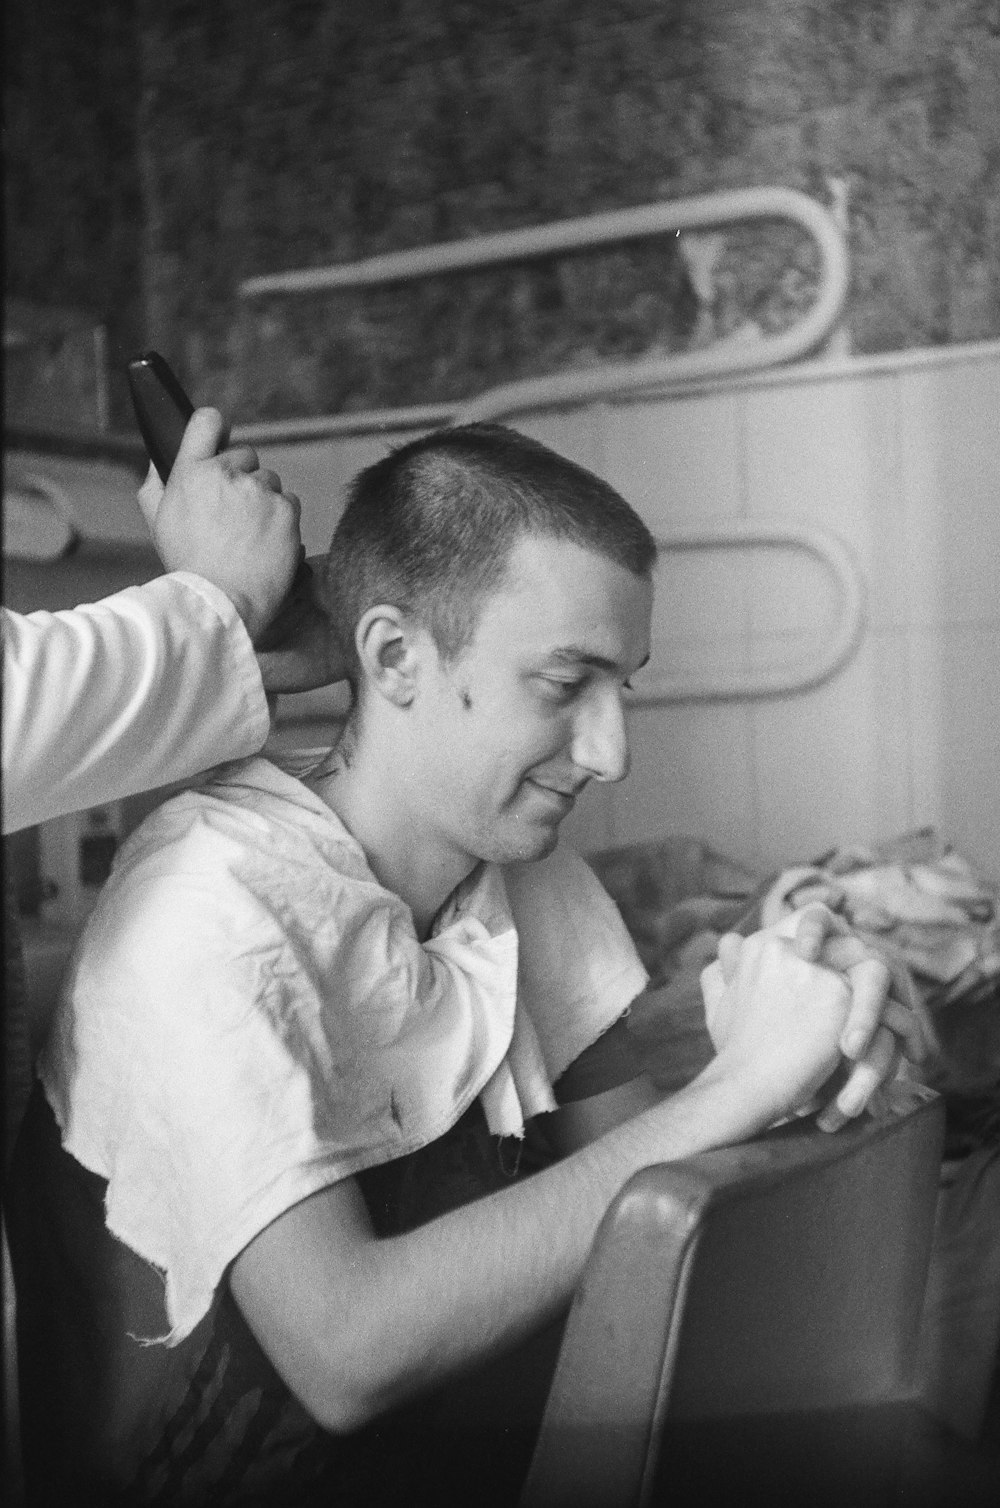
point(162, 410)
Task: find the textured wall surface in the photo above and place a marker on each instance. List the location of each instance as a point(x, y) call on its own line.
point(160, 150)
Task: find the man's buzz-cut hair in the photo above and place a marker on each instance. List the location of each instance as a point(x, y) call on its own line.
point(430, 528)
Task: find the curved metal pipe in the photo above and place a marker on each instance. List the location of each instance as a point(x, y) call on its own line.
point(739, 354)
point(798, 674)
point(371, 421)
point(659, 373)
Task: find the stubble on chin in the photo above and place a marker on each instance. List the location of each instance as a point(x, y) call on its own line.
point(531, 842)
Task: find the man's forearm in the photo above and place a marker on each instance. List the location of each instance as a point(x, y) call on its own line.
point(508, 1264)
point(358, 1325)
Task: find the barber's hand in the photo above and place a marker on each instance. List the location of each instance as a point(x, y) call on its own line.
point(224, 518)
point(309, 653)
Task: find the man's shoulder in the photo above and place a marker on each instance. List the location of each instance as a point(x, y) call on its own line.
point(228, 897)
point(563, 877)
point(246, 851)
point(570, 930)
point(562, 911)
point(244, 802)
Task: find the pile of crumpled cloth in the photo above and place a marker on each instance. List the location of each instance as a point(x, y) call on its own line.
point(916, 897)
point(927, 910)
point(917, 901)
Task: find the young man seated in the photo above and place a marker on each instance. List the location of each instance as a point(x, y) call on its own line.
point(320, 998)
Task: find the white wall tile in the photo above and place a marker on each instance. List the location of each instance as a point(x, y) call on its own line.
point(950, 419)
point(691, 773)
point(319, 471)
point(969, 741)
point(701, 598)
point(574, 433)
point(925, 723)
point(789, 590)
point(677, 461)
point(825, 453)
point(833, 765)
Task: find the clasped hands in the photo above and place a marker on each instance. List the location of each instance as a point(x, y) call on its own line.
point(797, 1001)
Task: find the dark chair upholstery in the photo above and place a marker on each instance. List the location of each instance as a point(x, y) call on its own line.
point(745, 1329)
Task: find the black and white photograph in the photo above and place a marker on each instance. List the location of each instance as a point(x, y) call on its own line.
point(501, 803)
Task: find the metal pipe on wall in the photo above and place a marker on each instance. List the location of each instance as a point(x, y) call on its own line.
point(660, 373)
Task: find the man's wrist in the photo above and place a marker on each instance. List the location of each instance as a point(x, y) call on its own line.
point(739, 1103)
point(236, 602)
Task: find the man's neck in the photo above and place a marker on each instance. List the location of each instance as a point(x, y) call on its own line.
point(369, 795)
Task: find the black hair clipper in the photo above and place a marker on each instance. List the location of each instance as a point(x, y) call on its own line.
point(162, 410)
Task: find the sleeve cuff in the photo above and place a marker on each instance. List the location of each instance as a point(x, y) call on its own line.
point(243, 659)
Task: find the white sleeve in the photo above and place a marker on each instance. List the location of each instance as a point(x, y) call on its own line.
point(578, 970)
point(146, 687)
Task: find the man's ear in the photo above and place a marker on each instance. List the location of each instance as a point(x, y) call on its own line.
point(386, 642)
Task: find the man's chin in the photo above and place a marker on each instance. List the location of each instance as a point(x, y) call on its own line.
point(532, 842)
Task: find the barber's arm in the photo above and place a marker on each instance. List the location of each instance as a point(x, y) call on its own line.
point(124, 695)
point(356, 1324)
point(161, 681)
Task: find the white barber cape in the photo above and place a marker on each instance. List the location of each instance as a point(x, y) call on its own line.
point(251, 1017)
point(137, 691)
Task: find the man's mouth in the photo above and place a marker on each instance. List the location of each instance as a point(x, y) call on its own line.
point(561, 795)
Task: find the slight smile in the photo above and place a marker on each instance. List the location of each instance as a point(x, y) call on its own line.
point(563, 798)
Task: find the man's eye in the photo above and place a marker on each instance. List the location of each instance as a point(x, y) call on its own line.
point(558, 690)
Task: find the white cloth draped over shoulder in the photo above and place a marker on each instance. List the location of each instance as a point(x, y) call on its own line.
point(251, 1017)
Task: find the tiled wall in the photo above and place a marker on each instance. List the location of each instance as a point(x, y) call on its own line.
point(898, 456)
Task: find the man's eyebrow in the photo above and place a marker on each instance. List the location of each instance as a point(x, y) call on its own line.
point(571, 654)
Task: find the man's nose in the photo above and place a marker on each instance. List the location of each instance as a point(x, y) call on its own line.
point(600, 739)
